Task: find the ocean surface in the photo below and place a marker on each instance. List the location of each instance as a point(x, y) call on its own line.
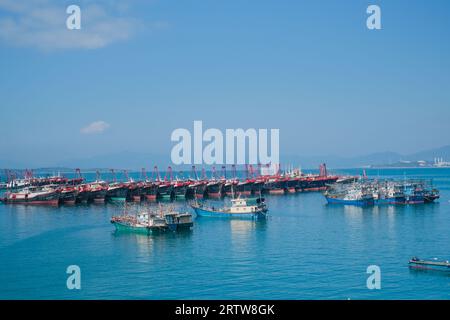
point(305, 250)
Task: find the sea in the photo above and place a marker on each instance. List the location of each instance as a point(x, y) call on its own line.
point(306, 249)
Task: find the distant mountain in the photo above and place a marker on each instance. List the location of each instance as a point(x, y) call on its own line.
point(374, 159)
point(342, 162)
point(133, 160)
point(429, 155)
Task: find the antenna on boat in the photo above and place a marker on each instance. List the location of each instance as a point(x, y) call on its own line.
point(194, 173)
point(125, 173)
point(232, 191)
point(113, 173)
point(204, 174)
point(213, 173)
point(169, 171)
point(155, 174)
point(143, 175)
point(224, 172)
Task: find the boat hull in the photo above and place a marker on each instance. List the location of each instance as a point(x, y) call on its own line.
point(49, 199)
point(54, 202)
point(360, 202)
point(124, 227)
point(430, 265)
point(388, 201)
point(202, 212)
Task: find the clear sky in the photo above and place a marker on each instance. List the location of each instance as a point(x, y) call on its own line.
point(137, 70)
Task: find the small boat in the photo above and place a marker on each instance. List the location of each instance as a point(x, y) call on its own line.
point(241, 208)
point(433, 264)
point(151, 222)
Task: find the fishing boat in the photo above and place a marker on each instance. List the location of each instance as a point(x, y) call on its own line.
point(135, 190)
point(258, 186)
point(229, 185)
point(354, 195)
point(46, 195)
point(214, 188)
point(153, 222)
point(292, 184)
point(244, 188)
point(414, 193)
point(165, 190)
point(117, 191)
point(241, 208)
point(180, 189)
point(150, 190)
point(198, 188)
point(275, 185)
point(433, 264)
point(69, 195)
point(388, 193)
point(97, 191)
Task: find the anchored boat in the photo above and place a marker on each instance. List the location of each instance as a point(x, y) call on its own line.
point(241, 208)
point(69, 194)
point(153, 222)
point(434, 264)
point(34, 196)
point(117, 191)
point(356, 195)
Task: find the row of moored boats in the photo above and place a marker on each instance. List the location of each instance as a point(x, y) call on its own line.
point(378, 192)
point(61, 190)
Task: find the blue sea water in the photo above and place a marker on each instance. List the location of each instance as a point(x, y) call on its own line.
point(305, 250)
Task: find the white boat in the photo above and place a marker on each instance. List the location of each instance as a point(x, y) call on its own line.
point(241, 208)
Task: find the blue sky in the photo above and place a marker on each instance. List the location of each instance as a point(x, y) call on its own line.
point(144, 68)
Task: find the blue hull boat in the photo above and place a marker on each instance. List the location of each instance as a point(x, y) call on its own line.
point(359, 202)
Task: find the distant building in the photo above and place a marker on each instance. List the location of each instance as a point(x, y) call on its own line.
point(439, 162)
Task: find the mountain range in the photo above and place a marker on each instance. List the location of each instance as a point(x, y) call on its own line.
point(138, 160)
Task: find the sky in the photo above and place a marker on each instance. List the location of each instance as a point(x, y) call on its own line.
point(137, 70)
